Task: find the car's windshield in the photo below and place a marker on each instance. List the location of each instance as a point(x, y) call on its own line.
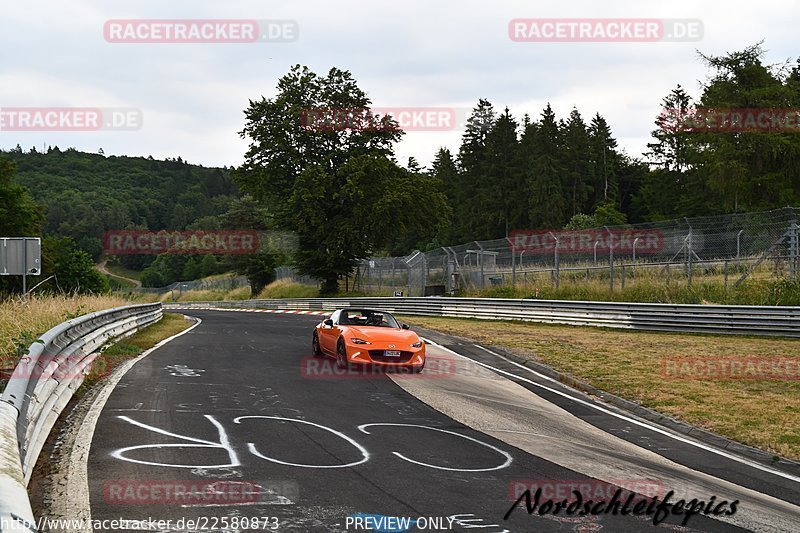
point(364, 317)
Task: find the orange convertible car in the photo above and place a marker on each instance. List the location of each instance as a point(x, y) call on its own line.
point(368, 337)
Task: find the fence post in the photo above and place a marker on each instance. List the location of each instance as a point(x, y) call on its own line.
point(513, 263)
point(689, 262)
point(555, 253)
point(623, 276)
point(610, 258)
point(689, 252)
point(480, 258)
point(738, 245)
point(726, 274)
point(452, 277)
point(513, 269)
point(794, 245)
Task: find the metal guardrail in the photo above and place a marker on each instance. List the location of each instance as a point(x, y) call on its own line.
point(42, 384)
point(719, 319)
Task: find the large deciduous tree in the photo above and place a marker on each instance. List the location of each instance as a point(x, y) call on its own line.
point(335, 184)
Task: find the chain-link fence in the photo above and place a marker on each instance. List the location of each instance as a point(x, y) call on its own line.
point(725, 248)
point(290, 273)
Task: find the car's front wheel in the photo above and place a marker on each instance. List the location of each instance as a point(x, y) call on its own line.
point(341, 356)
point(315, 346)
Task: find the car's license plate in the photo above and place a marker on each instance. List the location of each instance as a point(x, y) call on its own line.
point(391, 353)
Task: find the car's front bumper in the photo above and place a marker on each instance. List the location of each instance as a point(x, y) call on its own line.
point(374, 354)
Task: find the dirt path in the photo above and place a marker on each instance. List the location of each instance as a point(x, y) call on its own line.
point(102, 268)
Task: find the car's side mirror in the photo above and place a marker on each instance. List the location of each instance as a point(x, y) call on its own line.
point(405, 326)
point(328, 322)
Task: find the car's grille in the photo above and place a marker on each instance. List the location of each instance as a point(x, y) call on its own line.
point(379, 357)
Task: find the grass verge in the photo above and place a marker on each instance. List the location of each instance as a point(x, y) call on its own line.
point(285, 288)
point(242, 293)
point(760, 413)
point(752, 292)
point(21, 323)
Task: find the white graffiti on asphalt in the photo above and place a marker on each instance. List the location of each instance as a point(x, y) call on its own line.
point(507, 462)
point(184, 371)
point(225, 445)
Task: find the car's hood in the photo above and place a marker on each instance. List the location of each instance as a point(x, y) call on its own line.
point(377, 334)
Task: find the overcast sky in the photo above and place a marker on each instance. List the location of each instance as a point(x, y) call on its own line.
point(414, 53)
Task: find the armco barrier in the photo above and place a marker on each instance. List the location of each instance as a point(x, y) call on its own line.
point(720, 319)
point(41, 386)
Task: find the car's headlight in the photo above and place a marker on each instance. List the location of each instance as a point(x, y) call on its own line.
point(356, 340)
point(417, 345)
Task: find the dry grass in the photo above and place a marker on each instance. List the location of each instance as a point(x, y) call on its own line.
point(242, 293)
point(764, 414)
point(285, 288)
point(21, 323)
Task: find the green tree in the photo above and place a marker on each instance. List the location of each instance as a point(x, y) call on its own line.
point(670, 149)
point(470, 204)
point(367, 203)
point(20, 215)
point(543, 172)
point(603, 162)
point(577, 163)
point(607, 214)
point(208, 266)
point(246, 214)
point(750, 170)
point(581, 221)
point(151, 277)
point(338, 188)
point(191, 270)
point(445, 172)
point(73, 268)
point(503, 205)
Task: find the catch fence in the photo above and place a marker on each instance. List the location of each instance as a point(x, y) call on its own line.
point(724, 248)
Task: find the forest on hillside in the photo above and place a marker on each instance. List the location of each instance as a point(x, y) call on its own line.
point(510, 172)
point(87, 194)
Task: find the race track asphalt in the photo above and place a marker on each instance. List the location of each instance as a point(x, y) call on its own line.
point(238, 403)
